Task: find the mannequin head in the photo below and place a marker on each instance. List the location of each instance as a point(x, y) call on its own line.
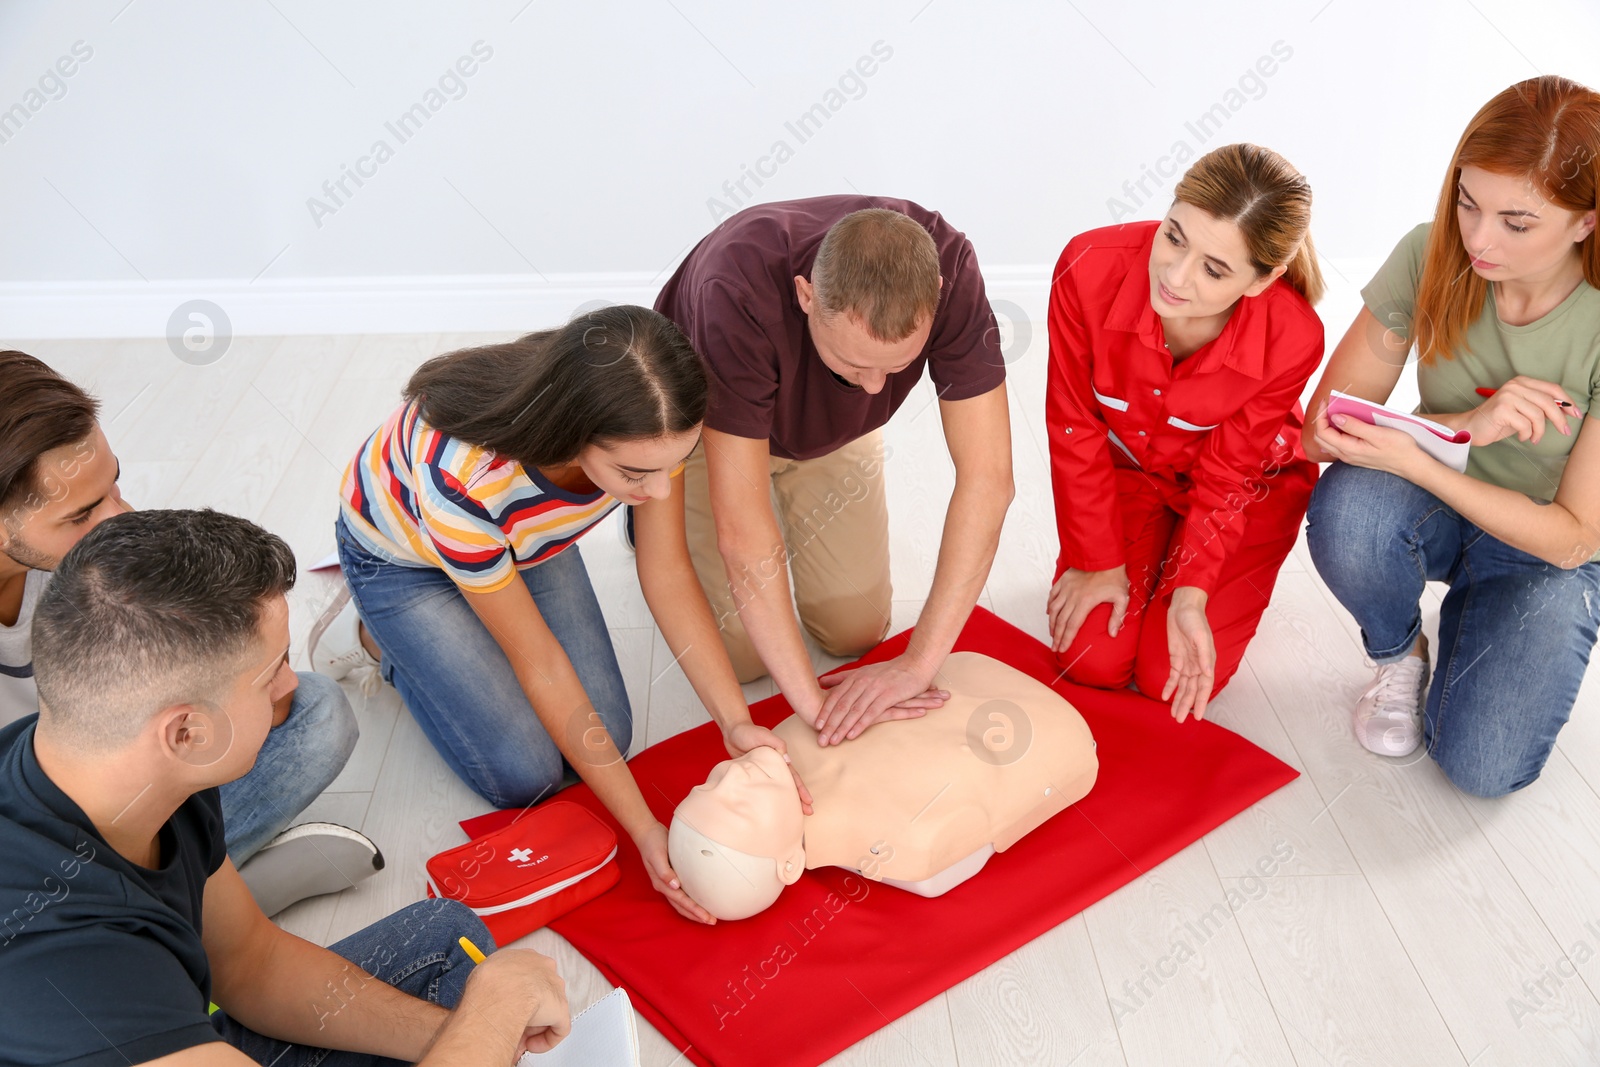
point(737, 840)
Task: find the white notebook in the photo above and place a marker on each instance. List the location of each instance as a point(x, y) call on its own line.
point(603, 1035)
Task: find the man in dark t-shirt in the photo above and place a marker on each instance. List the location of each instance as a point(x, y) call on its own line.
point(816, 319)
point(59, 478)
point(159, 649)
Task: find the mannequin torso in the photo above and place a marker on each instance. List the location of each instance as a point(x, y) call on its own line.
point(921, 803)
point(1003, 755)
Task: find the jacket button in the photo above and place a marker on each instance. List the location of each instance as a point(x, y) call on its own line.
point(1141, 433)
point(1156, 391)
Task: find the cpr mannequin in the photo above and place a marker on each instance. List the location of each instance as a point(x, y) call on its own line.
point(920, 804)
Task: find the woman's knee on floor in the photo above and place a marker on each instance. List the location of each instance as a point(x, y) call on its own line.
point(1524, 640)
point(1487, 775)
point(1489, 751)
point(592, 731)
point(1096, 658)
point(1151, 671)
point(1100, 662)
point(514, 775)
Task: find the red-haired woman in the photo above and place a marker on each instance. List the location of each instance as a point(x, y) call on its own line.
point(1501, 290)
point(1177, 358)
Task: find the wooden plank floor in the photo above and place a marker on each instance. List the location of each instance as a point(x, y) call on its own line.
point(1402, 922)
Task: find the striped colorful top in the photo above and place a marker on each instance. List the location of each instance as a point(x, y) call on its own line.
point(422, 497)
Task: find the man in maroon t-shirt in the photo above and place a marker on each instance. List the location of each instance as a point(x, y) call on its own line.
point(815, 318)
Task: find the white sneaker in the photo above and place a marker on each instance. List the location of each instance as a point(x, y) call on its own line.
point(1388, 717)
point(336, 648)
point(307, 861)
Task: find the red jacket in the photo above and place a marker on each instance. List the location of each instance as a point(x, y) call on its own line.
point(1207, 435)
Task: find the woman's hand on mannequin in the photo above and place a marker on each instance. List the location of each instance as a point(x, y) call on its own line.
point(1522, 406)
point(1192, 652)
point(1076, 593)
point(652, 845)
point(876, 692)
point(744, 736)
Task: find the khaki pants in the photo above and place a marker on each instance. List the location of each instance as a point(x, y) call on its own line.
point(835, 524)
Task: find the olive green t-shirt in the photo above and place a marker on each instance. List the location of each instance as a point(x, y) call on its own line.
point(1562, 347)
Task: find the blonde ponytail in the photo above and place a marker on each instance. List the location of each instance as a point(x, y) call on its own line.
point(1304, 274)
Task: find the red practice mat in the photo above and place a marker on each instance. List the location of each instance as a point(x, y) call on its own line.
point(839, 956)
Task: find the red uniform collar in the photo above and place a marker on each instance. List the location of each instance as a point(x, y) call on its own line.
point(1242, 345)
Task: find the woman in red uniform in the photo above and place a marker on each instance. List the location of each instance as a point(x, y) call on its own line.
point(1178, 351)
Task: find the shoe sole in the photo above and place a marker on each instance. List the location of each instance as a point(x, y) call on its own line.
point(309, 860)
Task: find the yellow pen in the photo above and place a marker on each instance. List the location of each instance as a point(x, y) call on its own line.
point(474, 953)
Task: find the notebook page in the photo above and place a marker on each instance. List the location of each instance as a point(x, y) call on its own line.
point(603, 1035)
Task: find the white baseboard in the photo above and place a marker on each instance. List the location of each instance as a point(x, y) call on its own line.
point(399, 304)
point(488, 303)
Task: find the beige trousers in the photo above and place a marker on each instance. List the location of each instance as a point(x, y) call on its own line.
point(834, 521)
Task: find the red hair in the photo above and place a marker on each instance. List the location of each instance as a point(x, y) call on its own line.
point(1545, 129)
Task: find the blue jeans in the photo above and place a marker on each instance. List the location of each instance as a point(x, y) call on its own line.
point(297, 762)
point(458, 683)
point(415, 950)
point(1515, 632)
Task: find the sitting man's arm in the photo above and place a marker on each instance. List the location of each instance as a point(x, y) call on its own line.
point(978, 433)
point(285, 987)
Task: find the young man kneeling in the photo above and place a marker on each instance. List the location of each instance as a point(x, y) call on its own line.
point(159, 652)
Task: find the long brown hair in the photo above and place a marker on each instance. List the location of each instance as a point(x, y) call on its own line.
point(1257, 190)
point(1545, 129)
point(612, 373)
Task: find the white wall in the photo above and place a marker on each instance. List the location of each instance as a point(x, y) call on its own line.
point(581, 157)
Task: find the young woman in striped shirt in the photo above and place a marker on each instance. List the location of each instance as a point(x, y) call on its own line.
point(458, 535)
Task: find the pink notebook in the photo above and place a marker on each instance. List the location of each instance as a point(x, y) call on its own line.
point(1439, 441)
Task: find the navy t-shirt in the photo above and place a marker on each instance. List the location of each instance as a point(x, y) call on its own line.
point(100, 959)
